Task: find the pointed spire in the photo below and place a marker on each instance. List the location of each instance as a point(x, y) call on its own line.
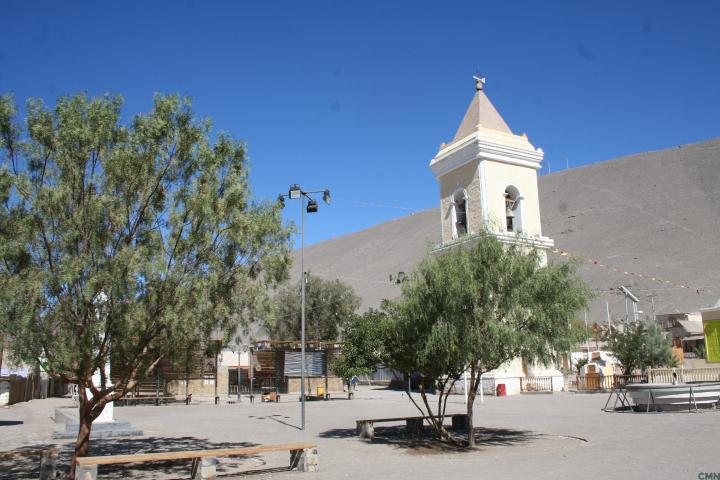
point(480, 113)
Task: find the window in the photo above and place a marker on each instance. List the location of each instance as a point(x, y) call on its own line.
point(513, 212)
point(460, 223)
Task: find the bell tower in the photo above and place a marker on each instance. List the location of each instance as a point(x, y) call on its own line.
point(488, 179)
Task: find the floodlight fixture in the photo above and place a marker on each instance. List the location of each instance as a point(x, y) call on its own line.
point(295, 191)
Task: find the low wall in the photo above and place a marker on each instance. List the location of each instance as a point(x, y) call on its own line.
point(334, 384)
point(4, 392)
point(200, 387)
point(512, 384)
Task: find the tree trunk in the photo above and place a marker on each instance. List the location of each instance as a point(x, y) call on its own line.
point(85, 417)
point(469, 407)
point(435, 419)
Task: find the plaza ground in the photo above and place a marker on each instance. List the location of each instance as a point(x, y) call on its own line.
point(543, 436)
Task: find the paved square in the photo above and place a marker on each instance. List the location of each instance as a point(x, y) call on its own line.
point(564, 435)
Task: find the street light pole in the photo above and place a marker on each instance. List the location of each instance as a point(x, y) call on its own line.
point(294, 193)
point(302, 313)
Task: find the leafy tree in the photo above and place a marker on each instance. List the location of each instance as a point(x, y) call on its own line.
point(125, 241)
point(477, 307)
point(328, 304)
point(641, 346)
point(699, 351)
point(580, 364)
point(361, 352)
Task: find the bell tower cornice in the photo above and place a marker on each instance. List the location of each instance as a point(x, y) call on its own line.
point(486, 144)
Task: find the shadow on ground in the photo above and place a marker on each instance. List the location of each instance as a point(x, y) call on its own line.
point(28, 467)
point(7, 423)
point(276, 418)
point(427, 443)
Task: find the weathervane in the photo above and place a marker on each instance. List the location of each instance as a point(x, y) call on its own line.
point(479, 81)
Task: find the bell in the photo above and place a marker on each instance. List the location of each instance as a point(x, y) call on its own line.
point(509, 212)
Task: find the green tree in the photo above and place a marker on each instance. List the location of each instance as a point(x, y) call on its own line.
point(362, 347)
point(328, 304)
point(476, 307)
point(641, 346)
point(128, 241)
point(580, 364)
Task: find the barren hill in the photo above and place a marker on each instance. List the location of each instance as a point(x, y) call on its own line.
point(654, 215)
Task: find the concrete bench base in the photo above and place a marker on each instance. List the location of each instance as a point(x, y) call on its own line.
point(414, 425)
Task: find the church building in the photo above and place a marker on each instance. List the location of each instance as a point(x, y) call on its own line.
point(488, 181)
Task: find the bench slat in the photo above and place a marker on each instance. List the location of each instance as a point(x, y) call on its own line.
point(400, 419)
point(188, 454)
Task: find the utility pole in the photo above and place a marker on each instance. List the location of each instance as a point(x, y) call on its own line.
point(607, 308)
point(652, 301)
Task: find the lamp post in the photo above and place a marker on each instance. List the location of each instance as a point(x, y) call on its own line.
point(295, 193)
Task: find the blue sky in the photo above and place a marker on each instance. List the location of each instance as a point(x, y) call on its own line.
point(357, 96)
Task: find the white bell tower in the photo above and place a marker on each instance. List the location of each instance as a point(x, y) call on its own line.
point(488, 179)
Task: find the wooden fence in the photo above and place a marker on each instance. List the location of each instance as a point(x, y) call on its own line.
point(23, 389)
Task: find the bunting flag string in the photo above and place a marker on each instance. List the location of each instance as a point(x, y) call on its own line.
point(663, 281)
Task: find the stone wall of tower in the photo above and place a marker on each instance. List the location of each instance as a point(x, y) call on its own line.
point(467, 178)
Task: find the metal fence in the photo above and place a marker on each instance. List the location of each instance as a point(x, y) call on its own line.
point(654, 375)
point(536, 384)
point(685, 375)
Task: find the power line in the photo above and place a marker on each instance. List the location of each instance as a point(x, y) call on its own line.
point(378, 205)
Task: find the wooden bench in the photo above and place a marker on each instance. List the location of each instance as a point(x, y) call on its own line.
point(365, 428)
point(48, 460)
point(303, 457)
point(324, 396)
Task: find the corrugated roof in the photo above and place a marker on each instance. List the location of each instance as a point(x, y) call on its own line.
point(692, 327)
